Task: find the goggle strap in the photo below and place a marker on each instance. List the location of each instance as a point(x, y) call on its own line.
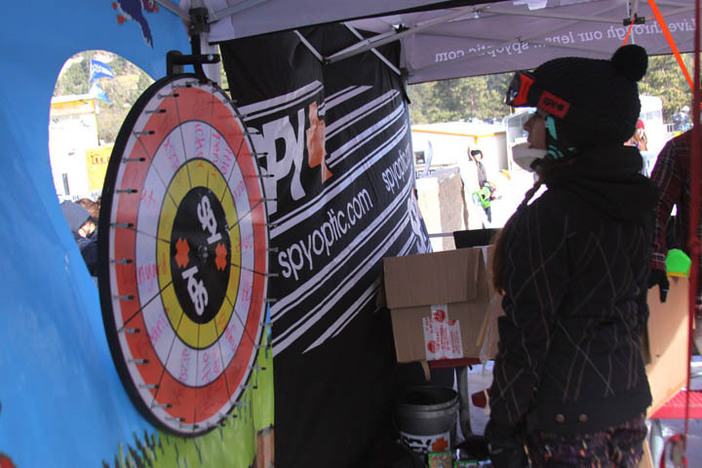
point(527, 93)
point(551, 127)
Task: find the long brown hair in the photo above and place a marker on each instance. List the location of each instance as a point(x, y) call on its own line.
point(567, 135)
point(498, 259)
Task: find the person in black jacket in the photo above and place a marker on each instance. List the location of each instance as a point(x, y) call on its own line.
point(569, 381)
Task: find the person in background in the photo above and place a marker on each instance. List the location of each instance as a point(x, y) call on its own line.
point(484, 197)
point(639, 138)
point(84, 230)
point(469, 172)
point(92, 206)
point(477, 157)
point(681, 120)
point(671, 174)
point(78, 219)
point(485, 193)
point(478, 192)
point(89, 249)
point(569, 380)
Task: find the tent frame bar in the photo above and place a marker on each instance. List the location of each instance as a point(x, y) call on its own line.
point(463, 15)
point(382, 39)
point(358, 35)
point(536, 14)
point(309, 46)
point(375, 51)
point(522, 39)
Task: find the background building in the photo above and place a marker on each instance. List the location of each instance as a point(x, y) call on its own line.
point(78, 162)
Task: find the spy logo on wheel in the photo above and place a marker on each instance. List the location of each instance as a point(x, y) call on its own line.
point(183, 245)
point(200, 251)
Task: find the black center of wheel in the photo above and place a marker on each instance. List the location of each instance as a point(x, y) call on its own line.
point(200, 254)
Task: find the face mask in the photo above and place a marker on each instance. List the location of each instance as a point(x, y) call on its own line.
point(527, 157)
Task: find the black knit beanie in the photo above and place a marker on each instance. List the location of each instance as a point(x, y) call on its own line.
point(603, 95)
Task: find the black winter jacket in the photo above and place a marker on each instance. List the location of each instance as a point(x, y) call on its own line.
point(576, 261)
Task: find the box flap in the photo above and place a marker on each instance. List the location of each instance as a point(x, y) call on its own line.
point(435, 278)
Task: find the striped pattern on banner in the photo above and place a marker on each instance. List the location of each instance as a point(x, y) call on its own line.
point(330, 241)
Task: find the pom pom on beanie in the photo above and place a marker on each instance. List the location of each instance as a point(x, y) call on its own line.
point(605, 92)
point(631, 61)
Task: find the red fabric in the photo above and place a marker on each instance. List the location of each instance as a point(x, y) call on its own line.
point(675, 407)
point(666, 32)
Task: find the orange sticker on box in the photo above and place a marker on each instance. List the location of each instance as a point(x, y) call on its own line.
point(442, 337)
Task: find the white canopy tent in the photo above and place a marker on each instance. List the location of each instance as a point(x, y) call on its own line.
point(452, 39)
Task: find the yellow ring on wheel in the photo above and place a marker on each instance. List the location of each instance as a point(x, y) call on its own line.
point(196, 173)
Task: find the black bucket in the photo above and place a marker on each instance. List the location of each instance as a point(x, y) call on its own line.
point(426, 418)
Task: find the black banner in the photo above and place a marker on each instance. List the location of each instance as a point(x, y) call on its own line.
point(334, 144)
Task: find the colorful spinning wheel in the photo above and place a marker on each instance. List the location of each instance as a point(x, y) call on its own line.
point(183, 249)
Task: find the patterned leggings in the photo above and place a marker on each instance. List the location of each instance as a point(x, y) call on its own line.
point(620, 446)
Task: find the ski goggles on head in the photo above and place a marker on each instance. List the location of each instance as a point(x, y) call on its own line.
point(524, 92)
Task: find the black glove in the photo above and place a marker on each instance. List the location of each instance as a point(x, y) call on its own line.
point(506, 446)
point(660, 278)
point(508, 457)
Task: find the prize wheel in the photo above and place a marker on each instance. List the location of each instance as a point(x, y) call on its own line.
point(183, 255)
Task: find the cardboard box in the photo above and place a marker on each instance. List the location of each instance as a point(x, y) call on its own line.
point(665, 346)
point(440, 304)
point(666, 342)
